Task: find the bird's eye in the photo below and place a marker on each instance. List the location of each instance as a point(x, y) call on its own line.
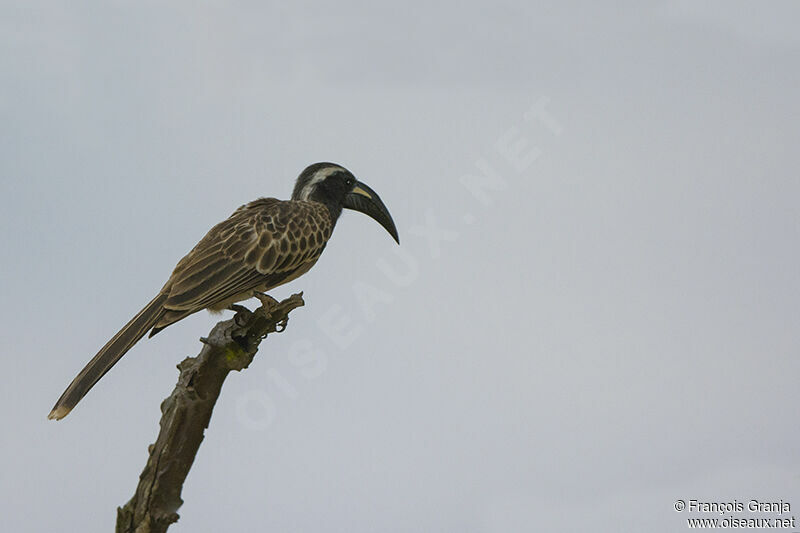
point(351, 182)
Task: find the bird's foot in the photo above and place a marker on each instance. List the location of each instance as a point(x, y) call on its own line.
point(267, 301)
point(236, 308)
point(242, 314)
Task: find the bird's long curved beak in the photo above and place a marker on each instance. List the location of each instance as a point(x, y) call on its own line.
point(364, 199)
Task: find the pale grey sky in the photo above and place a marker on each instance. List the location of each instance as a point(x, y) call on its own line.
point(605, 324)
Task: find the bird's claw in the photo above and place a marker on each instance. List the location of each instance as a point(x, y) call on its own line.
point(242, 314)
point(280, 326)
point(236, 308)
point(267, 301)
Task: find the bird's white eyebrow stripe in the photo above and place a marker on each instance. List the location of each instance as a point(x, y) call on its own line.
point(319, 175)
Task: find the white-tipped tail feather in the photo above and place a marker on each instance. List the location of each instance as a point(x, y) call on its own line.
point(59, 412)
point(108, 356)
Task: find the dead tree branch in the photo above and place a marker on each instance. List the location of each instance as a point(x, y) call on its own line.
point(186, 414)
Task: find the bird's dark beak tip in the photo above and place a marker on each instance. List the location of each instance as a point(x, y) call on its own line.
point(371, 205)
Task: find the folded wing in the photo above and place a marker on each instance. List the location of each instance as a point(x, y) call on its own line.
point(263, 244)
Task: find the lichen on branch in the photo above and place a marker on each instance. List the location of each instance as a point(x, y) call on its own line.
point(186, 413)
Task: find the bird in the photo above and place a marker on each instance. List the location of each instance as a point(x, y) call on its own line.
point(263, 244)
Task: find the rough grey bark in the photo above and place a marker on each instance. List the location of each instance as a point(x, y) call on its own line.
point(186, 413)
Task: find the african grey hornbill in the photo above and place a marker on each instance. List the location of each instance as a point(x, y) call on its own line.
point(263, 244)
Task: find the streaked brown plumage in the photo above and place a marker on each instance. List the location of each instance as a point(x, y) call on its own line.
point(263, 244)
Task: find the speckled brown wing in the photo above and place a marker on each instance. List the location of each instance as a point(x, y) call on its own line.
point(261, 245)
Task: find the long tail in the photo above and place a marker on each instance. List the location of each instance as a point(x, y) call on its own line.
point(108, 356)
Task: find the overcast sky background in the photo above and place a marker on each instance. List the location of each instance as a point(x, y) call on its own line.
point(606, 324)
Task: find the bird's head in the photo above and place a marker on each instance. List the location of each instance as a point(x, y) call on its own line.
point(336, 187)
